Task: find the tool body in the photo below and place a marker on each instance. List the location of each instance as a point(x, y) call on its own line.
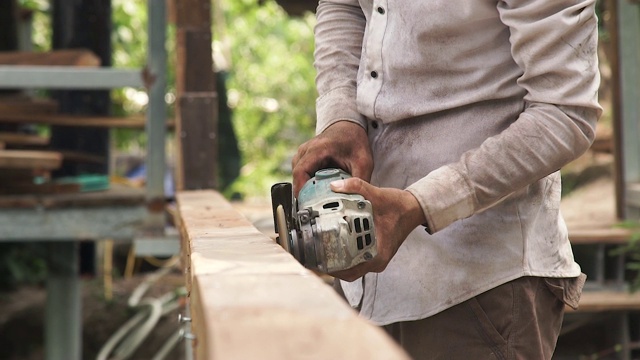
point(322, 229)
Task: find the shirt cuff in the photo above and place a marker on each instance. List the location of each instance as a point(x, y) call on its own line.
point(338, 105)
point(445, 196)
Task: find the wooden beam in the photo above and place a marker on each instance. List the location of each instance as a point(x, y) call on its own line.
point(117, 196)
point(596, 301)
point(72, 57)
point(191, 14)
point(19, 139)
point(252, 300)
point(46, 188)
point(615, 236)
point(79, 156)
point(196, 106)
point(22, 159)
point(136, 122)
point(11, 105)
point(198, 132)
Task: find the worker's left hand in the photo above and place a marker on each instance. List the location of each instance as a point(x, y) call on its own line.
point(395, 214)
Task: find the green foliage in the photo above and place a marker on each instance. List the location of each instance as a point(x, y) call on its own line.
point(21, 263)
point(632, 252)
point(271, 89)
point(271, 80)
point(41, 32)
point(129, 50)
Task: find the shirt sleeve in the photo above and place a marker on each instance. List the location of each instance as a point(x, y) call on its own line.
point(338, 34)
point(554, 42)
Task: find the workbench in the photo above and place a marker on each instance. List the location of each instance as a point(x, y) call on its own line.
point(61, 221)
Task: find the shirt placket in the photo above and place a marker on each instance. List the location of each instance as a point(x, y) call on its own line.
point(372, 81)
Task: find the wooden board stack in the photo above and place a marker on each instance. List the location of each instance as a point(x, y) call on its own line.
point(25, 160)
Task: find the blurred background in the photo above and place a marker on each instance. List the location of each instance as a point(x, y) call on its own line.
point(261, 78)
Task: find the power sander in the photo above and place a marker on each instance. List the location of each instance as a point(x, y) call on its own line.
point(324, 230)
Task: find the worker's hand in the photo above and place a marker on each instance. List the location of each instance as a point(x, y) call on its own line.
point(395, 214)
point(344, 145)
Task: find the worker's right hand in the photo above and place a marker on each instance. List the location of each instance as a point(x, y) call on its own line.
point(344, 145)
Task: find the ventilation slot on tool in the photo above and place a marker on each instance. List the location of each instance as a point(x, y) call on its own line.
point(360, 245)
point(332, 205)
point(365, 224)
point(356, 222)
point(367, 239)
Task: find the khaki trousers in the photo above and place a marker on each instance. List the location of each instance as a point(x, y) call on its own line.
point(517, 320)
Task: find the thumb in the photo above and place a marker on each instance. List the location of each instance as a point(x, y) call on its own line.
point(351, 186)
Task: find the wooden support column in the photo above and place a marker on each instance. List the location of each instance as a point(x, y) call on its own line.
point(625, 67)
point(8, 25)
point(8, 40)
point(250, 299)
point(196, 111)
point(84, 24)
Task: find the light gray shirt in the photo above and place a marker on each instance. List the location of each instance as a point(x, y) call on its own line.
point(473, 107)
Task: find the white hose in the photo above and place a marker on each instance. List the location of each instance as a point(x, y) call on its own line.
point(141, 289)
point(118, 335)
point(168, 346)
point(130, 344)
point(138, 328)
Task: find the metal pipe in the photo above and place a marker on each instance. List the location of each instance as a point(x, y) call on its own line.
point(68, 77)
point(156, 113)
point(63, 329)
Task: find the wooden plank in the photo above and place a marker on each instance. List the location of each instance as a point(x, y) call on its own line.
point(117, 222)
point(590, 209)
point(20, 175)
point(78, 156)
point(603, 143)
point(70, 57)
point(135, 122)
point(46, 188)
point(596, 301)
point(590, 215)
point(252, 300)
point(11, 105)
point(23, 139)
point(25, 159)
point(600, 236)
point(115, 196)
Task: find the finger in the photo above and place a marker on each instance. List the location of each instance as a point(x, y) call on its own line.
point(305, 169)
point(362, 168)
point(300, 177)
point(352, 186)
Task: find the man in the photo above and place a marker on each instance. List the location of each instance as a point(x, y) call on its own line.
point(454, 117)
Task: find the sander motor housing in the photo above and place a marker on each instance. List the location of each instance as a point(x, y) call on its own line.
point(324, 230)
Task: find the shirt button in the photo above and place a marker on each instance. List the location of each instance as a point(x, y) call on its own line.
point(374, 74)
point(374, 124)
point(381, 10)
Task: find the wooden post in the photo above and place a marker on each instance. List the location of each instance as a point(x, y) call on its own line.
point(196, 110)
point(8, 25)
point(249, 299)
point(83, 24)
point(8, 40)
point(624, 28)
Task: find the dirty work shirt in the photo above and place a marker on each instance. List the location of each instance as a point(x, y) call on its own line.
point(473, 107)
